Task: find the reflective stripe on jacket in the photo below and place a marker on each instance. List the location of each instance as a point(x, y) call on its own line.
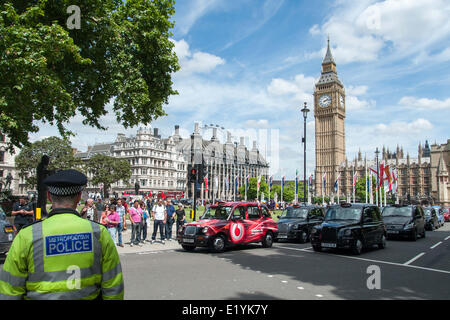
point(62, 257)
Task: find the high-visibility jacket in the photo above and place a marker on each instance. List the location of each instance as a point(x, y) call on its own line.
point(62, 257)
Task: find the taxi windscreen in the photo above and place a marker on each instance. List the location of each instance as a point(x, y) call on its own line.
point(219, 212)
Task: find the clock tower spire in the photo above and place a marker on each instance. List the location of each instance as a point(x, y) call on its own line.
point(329, 114)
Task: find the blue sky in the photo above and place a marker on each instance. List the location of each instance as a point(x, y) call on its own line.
point(249, 65)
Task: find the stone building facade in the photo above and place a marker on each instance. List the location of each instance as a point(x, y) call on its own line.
point(225, 162)
point(161, 164)
point(7, 167)
point(156, 165)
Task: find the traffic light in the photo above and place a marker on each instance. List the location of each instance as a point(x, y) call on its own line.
point(191, 174)
point(203, 171)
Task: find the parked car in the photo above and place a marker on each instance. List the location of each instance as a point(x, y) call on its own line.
point(187, 202)
point(404, 221)
point(350, 226)
point(446, 213)
point(432, 221)
point(227, 224)
point(296, 222)
point(7, 233)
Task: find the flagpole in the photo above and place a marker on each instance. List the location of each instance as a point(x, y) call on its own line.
point(365, 159)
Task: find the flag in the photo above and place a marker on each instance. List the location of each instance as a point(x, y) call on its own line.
point(282, 183)
point(310, 182)
point(236, 184)
point(227, 184)
point(270, 183)
point(369, 183)
point(355, 179)
point(387, 179)
point(247, 183)
point(394, 181)
point(380, 176)
point(259, 183)
point(324, 182)
point(336, 184)
point(296, 182)
point(206, 183)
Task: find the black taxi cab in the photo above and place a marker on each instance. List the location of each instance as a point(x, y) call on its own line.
point(296, 222)
point(350, 226)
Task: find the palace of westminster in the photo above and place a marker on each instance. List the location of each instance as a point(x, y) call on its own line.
point(161, 164)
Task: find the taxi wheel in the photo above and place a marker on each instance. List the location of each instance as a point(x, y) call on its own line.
point(317, 248)
point(188, 248)
point(218, 244)
point(268, 240)
point(357, 247)
point(303, 238)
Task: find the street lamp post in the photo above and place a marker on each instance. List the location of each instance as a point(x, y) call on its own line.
point(305, 111)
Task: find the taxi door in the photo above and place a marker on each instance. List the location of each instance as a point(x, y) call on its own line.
point(253, 224)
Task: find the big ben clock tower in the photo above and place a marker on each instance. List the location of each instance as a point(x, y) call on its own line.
point(329, 114)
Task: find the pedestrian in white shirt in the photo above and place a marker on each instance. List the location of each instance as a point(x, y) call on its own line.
point(159, 216)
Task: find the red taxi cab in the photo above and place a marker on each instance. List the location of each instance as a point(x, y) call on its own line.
point(228, 224)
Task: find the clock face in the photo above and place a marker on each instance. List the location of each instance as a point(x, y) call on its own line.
point(341, 100)
point(325, 101)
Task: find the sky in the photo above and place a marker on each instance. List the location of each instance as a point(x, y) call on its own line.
point(250, 65)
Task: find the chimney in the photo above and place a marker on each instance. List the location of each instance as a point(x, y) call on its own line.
point(229, 137)
point(214, 136)
point(177, 130)
point(196, 126)
point(155, 132)
point(242, 141)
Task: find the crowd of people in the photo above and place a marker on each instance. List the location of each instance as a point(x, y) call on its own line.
point(114, 214)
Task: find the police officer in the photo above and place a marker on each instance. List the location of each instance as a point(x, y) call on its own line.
point(23, 213)
point(63, 256)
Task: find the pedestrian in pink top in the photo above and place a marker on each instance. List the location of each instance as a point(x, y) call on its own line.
point(112, 220)
point(135, 219)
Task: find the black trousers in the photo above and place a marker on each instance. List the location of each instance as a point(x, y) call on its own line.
point(160, 224)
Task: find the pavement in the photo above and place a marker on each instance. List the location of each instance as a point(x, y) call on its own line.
point(147, 246)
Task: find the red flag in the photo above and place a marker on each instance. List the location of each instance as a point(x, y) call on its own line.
point(380, 176)
point(206, 183)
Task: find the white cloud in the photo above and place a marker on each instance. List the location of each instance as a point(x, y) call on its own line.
point(360, 31)
point(400, 127)
point(425, 103)
point(300, 89)
point(314, 30)
point(263, 123)
point(195, 10)
point(198, 62)
point(356, 91)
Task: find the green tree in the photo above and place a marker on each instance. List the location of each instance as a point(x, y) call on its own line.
point(107, 170)
point(252, 189)
point(360, 191)
point(59, 150)
point(49, 74)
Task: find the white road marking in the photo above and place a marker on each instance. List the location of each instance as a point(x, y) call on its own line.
point(284, 281)
point(371, 260)
point(436, 245)
point(447, 238)
point(270, 276)
point(300, 288)
point(319, 295)
point(414, 259)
